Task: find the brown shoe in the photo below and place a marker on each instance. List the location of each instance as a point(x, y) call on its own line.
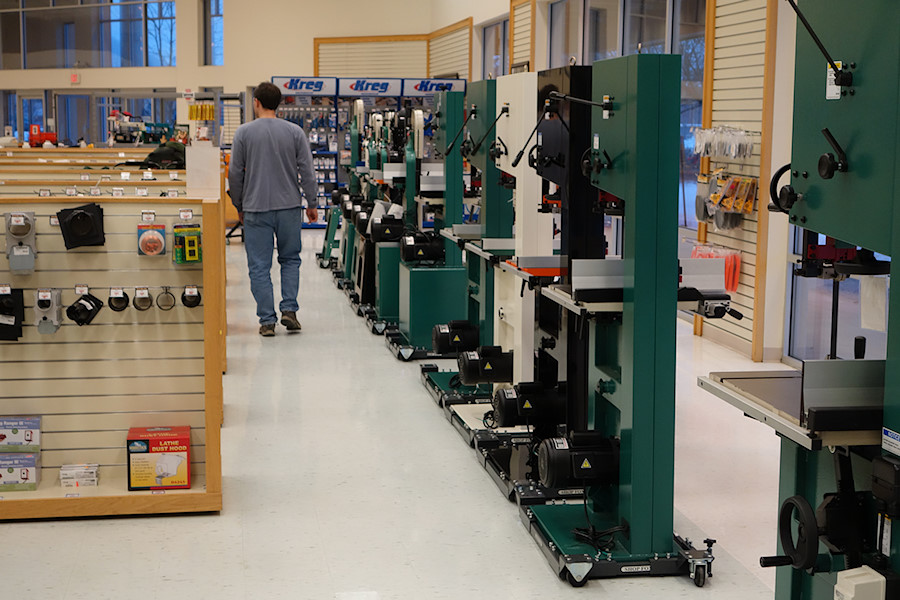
point(267, 330)
point(289, 320)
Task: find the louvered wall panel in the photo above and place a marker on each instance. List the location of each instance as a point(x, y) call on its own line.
point(450, 54)
point(521, 34)
point(374, 59)
point(739, 59)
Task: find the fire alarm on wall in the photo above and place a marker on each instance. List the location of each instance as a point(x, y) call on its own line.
point(75, 78)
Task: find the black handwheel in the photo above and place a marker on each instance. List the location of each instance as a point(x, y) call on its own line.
point(574, 582)
point(700, 575)
point(804, 552)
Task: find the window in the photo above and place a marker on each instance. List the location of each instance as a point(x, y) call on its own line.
point(645, 26)
point(215, 34)
point(690, 42)
point(32, 114)
point(602, 30)
point(72, 118)
point(563, 33)
point(161, 34)
point(496, 50)
point(93, 33)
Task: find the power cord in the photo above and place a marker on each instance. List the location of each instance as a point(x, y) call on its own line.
point(489, 420)
point(602, 541)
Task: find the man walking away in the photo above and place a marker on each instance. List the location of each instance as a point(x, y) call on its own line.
point(267, 155)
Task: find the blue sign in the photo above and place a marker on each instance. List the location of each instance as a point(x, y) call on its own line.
point(306, 86)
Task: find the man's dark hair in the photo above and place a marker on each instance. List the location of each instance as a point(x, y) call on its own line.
point(268, 95)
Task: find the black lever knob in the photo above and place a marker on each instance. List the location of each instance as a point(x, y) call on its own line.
point(787, 196)
point(775, 561)
point(827, 166)
point(859, 347)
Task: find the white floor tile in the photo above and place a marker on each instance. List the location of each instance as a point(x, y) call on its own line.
point(342, 480)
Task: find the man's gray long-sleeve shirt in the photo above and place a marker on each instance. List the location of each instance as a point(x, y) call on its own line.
point(266, 156)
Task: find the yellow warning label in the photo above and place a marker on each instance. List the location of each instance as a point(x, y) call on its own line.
point(420, 253)
point(586, 464)
point(387, 231)
point(527, 404)
point(455, 338)
point(488, 367)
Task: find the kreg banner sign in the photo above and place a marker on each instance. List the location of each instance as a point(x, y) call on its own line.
point(429, 87)
point(370, 87)
point(306, 86)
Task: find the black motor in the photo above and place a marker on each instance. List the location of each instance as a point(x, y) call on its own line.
point(455, 336)
point(487, 364)
point(530, 403)
point(581, 459)
point(387, 228)
point(419, 246)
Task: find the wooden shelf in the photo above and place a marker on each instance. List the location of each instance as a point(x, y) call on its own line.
point(111, 497)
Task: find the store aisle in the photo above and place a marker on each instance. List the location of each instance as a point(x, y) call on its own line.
point(343, 480)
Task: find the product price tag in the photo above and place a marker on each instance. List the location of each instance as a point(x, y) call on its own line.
point(73, 495)
point(44, 193)
point(121, 155)
point(44, 295)
point(186, 214)
point(148, 216)
point(171, 193)
point(9, 153)
point(141, 191)
point(54, 221)
point(81, 289)
point(95, 191)
point(148, 174)
point(106, 178)
point(17, 220)
point(173, 175)
point(118, 192)
point(158, 492)
point(71, 191)
point(141, 292)
point(596, 142)
point(85, 177)
point(21, 250)
point(125, 175)
point(191, 290)
point(116, 293)
point(7, 320)
point(5, 289)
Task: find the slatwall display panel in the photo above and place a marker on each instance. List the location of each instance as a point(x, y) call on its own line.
point(521, 34)
point(450, 53)
point(126, 369)
point(232, 112)
point(374, 59)
point(739, 60)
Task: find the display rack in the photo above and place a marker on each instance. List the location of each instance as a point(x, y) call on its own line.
point(125, 369)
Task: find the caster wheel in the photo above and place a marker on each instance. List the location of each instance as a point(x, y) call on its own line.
point(700, 576)
point(574, 582)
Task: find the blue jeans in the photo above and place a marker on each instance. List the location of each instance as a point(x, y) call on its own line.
point(261, 230)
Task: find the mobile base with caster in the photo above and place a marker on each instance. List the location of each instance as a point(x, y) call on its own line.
point(551, 526)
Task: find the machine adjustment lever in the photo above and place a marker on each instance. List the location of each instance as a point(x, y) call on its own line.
point(827, 164)
point(859, 347)
point(518, 159)
point(775, 561)
point(600, 164)
point(471, 114)
point(841, 78)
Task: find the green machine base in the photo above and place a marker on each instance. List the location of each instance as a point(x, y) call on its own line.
point(551, 526)
point(428, 296)
point(446, 390)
